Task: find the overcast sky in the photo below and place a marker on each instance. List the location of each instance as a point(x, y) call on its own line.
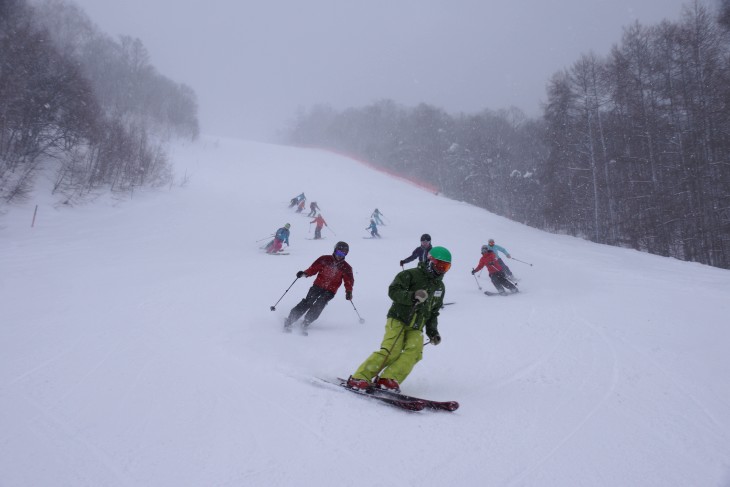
point(252, 63)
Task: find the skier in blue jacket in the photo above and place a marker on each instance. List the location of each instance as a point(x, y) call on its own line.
point(496, 248)
point(280, 237)
point(373, 229)
point(376, 216)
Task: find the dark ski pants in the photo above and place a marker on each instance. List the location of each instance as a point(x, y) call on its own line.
point(506, 269)
point(318, 232)
point(317, 298)
point(500, 282)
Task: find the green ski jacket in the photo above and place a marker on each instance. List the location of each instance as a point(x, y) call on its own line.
point(402, 290)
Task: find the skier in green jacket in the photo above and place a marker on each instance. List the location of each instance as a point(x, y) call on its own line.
point(418, 295)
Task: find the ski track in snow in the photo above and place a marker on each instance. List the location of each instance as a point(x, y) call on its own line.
point(580, 422)
point(671, 378)
point(75, 449)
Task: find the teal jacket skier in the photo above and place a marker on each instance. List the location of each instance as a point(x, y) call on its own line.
point(418, 295)
point(373, 229)
point(496, 249)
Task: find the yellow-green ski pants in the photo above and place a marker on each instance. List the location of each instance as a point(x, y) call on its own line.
point(400, 351)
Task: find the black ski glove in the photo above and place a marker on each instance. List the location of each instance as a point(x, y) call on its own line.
point(401, 263)
point(348, 295)
point(436, 339)
point(300, 274)
point(473, 271)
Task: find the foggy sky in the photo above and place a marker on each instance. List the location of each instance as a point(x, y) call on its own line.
point(252, 63)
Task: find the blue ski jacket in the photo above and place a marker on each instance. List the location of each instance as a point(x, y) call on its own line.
point(283, 235)
point(496, 248)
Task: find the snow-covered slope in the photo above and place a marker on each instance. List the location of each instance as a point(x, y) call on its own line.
point(137, 346)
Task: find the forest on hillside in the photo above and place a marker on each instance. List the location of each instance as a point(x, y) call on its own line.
point(632, 149)
point(88, 109)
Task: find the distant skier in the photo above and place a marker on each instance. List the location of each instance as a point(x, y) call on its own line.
point(496, 249)
point(376, 216)
point(331, 270)
point(421, 252)
point(418, 295)
point(318, 228)
point(300, 208)
point(280, 237)
point(295, 200)
point(496, 274)
point(373, 229)
point(313, 209)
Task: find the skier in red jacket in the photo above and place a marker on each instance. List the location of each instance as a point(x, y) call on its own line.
point(332, 271)
point(319, 220)
point(496, 274)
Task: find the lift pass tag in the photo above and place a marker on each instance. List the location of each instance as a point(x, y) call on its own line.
point(438, 294)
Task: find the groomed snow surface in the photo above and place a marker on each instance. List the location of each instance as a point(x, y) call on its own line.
point(137, 347)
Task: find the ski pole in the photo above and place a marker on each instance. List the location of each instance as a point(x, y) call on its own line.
point(333, 232)
point(477, 281)
point(518, 260)
point(262, 239)
point(358, 314)
point(273, 308)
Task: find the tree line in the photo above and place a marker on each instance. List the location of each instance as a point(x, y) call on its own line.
point(86, 108)
point(632, 149)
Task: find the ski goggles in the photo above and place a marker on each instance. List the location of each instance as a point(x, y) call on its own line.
point(340, 253)
point(440, 266)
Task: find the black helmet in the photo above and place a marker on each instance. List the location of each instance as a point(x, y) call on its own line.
point(426, 237)
point(342, 247)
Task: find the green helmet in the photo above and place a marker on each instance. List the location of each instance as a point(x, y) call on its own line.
point(439, 261)
point(441, 253)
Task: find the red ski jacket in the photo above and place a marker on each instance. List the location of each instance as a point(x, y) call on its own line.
point(489, 260)
point(319, 221)
point(331, 273)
